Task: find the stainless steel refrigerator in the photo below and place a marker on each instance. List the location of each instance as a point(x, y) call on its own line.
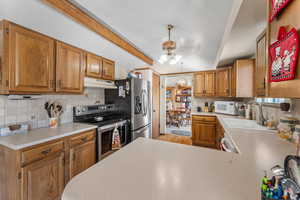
point(133, 98)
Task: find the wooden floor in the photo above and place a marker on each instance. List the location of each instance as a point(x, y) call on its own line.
point(176, 139)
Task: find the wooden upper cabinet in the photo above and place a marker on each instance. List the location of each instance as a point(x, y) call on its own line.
point(210, 83)
point(244, 77)
point(261, 65)
point(94, 66)
point(31, 60)
point(199, 84)
point(205, 84)
point(43, 179)
point(70, 64)
point(108, 69)
point(223, 82)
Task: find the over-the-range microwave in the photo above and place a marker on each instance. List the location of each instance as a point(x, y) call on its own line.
point(226, 107)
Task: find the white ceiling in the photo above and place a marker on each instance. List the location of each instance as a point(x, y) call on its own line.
point(251, 21)
point(201, 26)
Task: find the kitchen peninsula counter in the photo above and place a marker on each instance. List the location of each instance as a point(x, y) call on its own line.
point(156, 170)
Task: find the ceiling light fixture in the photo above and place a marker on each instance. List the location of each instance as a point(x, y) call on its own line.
point(169, 48)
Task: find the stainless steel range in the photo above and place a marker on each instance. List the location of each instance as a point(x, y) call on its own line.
point(106, 117)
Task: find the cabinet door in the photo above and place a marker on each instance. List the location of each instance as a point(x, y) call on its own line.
point(199, 84)
point(44, 179)
point(210, 84)
point(108, 70)
point(82, 157)
point(69, 68)
point(94, 66)
point(204, 134)
point(223, 80)
point(31, 61)
point(261, 65)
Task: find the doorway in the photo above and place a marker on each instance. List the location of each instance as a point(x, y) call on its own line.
point(178, 103)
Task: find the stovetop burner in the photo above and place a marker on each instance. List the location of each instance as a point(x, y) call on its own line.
point(99, 115)
point(103, 123)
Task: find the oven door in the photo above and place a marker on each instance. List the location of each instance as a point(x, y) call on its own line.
point(105, 135)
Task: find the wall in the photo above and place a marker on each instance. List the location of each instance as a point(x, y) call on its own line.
point(33, 112)
point(36, 15)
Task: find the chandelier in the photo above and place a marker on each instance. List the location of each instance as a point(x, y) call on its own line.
point(169, 47)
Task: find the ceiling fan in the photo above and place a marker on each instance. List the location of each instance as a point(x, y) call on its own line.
point(169, 47)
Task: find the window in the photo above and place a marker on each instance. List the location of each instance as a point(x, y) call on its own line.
point(271, 100)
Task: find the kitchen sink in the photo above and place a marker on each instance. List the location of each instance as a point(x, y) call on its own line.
point(244, 124)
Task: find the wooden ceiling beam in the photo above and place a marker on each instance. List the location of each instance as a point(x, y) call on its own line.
point(80, 16)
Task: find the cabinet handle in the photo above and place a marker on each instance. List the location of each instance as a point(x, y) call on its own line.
point(45, 152)
point(52, 84)
point(84, 139)
point(59, 83)
point(19, 175)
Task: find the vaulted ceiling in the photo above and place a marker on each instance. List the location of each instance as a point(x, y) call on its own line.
point(250, 22)
point(201, 27)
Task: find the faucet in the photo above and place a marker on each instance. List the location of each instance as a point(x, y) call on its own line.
point(260, 119)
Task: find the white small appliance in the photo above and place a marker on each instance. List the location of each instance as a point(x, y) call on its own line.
point(226, 107)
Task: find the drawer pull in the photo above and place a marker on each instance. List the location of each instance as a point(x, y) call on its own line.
point(84, 139)
point(45, 152)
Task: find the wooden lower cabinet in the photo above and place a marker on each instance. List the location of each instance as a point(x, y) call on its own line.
point(82, 157)
point(44, 179)
point(204, 131)
point(41, 172)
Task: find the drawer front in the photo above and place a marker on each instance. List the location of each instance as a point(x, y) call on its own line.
point(41, 152)
point(83, 138)
point(211, 119)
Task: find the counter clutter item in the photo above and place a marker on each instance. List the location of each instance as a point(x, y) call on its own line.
point(286, 127)
point(54, 110)
point(14, 129)
point(285, 182)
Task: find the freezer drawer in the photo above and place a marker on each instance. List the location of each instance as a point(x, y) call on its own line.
point(142, 132)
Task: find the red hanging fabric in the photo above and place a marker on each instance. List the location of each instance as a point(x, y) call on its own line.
point(283, 55)
point(277, 6)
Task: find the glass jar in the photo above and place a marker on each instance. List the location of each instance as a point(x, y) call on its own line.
point(296, 134)
point(286, 127)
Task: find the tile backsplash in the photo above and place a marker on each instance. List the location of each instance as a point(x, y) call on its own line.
point(33, 112)
point(273, 112)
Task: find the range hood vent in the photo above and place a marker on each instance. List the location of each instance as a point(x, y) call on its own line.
point(97, 83)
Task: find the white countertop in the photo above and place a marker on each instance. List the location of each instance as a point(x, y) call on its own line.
point(41, 135)
point(156, 170)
